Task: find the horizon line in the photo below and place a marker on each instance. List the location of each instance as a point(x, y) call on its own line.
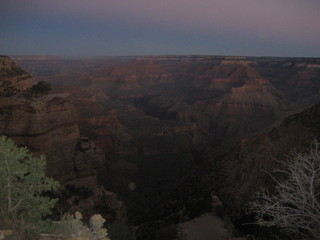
point(146, 55)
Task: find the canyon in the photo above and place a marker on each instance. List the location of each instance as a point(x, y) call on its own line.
point(162, 133)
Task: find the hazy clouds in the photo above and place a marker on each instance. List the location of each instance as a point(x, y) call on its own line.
point(280, 22)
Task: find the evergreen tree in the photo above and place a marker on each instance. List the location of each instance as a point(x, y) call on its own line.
point(22, 184)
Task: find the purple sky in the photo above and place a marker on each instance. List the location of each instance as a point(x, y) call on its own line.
point(139, 27)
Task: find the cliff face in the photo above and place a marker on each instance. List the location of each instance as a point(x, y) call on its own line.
point(246, 166)
point(12, 78)
point(95, 120)
point(48, 124)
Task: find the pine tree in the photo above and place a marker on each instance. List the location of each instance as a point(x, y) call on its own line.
point(22, 184)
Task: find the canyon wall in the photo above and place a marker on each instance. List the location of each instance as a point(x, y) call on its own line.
point(231, 96)
point(48, 124)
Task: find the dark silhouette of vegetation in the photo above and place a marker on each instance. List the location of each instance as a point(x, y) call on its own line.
point(41, 88)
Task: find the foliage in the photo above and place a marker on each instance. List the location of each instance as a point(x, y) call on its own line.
point(23, 183)
point(294, 207)
point(41, 88)
point(97, 232)
point(72, 226)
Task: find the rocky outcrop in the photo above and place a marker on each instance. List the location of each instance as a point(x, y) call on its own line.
point(12, 78)
point(247, 166)
point(48, 124)
point(85, 192)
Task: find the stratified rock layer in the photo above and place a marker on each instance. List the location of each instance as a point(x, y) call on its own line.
point(48, 124)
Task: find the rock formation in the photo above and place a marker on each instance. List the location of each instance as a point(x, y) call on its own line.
point(246, 166)
point(13, 78)
point(231, 96)
point(47, 124)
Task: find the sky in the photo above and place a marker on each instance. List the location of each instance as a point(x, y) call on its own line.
point(74, 28)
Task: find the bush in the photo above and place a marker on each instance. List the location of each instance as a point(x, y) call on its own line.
point(294, 207)
point(39, 89)
point(72, 226)
point(23, 183)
